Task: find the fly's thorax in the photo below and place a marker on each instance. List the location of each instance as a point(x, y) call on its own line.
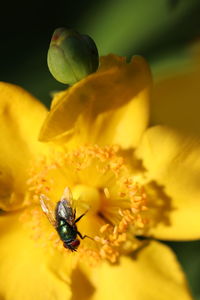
point(66, 231)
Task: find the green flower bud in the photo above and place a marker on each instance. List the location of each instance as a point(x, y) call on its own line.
point(71, 56)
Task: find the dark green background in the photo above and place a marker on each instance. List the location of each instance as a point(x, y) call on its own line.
point(160, 30)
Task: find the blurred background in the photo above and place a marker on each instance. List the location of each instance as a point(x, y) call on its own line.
point(163, 31)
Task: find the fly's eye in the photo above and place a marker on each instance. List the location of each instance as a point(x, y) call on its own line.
point(75, 243)
point(72, 245)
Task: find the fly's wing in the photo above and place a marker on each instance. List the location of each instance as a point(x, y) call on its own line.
point(48, 209)
point(64, 208)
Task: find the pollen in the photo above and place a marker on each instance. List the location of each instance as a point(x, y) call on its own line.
point(103, 188)
point(106, 192)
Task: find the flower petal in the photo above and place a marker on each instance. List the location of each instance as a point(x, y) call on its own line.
point(113, 104)
point(26, 268)
point(153, 274)
point(21, 118)
point(173, 160)
point(175, 100)
point(123, 126)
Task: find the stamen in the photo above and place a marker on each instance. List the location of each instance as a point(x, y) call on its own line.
point(104, 228)
point(100, 181)
point(106, 192)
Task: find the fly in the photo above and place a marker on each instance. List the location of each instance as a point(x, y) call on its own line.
point(64, 220)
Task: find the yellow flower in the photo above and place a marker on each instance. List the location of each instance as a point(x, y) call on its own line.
point(128, 178)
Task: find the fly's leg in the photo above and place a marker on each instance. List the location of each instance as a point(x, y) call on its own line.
point(78, 219)
point(75, 213)
point(85, 236)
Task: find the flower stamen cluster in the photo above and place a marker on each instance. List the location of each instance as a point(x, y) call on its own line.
point(101, 182)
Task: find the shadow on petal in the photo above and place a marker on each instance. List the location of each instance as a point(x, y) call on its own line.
point(82, 288)
point(159, 204)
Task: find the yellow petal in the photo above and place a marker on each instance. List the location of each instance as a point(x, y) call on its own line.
point(123, 126)
point(29, 271)
point(175, 100)
point(173, 160)
point(21, 117)
point(153, 274)
point(112, 104)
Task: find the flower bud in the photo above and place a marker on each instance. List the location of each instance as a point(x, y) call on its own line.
point(71, 56)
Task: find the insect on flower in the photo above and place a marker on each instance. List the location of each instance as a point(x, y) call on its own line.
point(63, 218)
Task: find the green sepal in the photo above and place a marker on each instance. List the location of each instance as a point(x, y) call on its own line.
point(71, 56)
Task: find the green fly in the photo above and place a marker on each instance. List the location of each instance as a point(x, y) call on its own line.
point(63, 218)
